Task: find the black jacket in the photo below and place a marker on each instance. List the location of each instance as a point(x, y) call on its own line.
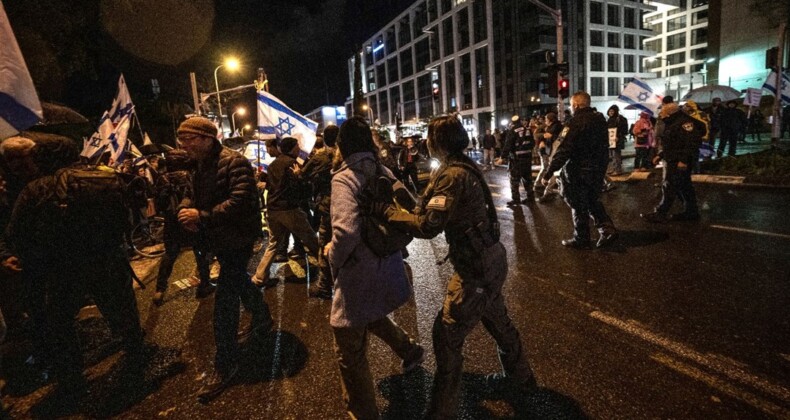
point(519, 143)
point(621, 124)
point(225, 193)
point(682, 137)
point(584, 150)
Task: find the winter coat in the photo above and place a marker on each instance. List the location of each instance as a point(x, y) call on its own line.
point(225, 193)
point(367, 287)
point(618, 122)
point(644, 128)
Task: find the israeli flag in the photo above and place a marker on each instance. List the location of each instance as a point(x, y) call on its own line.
point(119, 142)
point(640, 95)
point(275, 119)
point(770, 85)
point(122, 104)
point(19, 104)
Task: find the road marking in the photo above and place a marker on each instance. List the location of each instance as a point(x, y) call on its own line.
point(718, 179)
point(734, 372)
point(722, 386)
point(756, 232)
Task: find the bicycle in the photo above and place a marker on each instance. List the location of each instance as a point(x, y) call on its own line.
point(148, 237)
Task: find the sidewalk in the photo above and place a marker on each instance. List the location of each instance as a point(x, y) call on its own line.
point(629, 175)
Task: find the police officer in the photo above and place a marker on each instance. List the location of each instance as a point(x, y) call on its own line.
point(518, 147)
point(679, 149)
point(458, 202)
point(583, 156)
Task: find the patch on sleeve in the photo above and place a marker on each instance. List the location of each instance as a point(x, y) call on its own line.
point(689, 126)
point(564, 132)
point(438, 202)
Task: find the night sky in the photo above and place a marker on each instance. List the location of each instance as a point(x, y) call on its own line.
point(76, 50)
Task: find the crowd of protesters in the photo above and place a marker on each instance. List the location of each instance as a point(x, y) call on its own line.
point(210, 199)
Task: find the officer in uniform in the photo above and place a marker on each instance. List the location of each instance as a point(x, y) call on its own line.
point(458, 202)
point(679, 148)
point(583, 156)
point(518, 147)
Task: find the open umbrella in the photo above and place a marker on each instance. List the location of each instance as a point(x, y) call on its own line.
point(64, 121)
point(154, 148)
point(705, 94)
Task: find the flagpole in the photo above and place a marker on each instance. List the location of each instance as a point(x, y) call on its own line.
point(139, 126)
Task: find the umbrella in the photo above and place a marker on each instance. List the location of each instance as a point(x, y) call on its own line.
point(154, 148)
point(62, 120)
point(58, 114)
point(705, 94)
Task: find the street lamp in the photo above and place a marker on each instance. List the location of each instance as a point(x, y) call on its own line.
point(232, 64)
point(369, 111)
point(240, 111)
point(246, 127)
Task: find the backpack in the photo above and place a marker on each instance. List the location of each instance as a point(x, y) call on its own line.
point(93, 215)
point(378, 234)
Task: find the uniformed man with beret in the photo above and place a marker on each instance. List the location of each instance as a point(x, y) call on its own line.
point(583, 156)
point(679, 148)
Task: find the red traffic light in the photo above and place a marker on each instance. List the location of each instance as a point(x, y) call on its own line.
point(563, 88)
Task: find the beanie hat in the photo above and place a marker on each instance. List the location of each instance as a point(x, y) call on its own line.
point(200, 126)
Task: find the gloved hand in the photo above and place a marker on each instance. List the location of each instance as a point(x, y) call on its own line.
point(382, 210)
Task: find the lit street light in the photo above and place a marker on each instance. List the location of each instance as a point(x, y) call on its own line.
point(240, 111)
point(232, 64)
point(367, 109)
point(246, 127)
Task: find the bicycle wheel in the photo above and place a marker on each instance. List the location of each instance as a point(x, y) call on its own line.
point(148, 238)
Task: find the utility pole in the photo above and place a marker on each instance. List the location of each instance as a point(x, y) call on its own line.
point(777, 128)
point(194, 93)
point(557, 15)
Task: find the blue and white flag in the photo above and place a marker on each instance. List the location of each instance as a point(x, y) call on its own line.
point(119, 142)
point(122, 104)
point(770, 85)
point(19, 105)
point(275, 119)
point(99, 141)
point(113, 128)
point(640, 96)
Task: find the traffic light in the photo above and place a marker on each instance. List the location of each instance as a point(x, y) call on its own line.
point(435, 91)
point(563, 87)
point(551, 83)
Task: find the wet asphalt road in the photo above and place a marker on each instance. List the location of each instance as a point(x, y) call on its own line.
point(683, 320)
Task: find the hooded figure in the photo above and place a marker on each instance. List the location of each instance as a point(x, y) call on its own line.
point(692, 109)
point(618, 130)
point(644, 140)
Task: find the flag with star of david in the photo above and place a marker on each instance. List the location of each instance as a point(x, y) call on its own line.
point(770, 85)
point(640, 95)
point(113, 127)
point(275, 119)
